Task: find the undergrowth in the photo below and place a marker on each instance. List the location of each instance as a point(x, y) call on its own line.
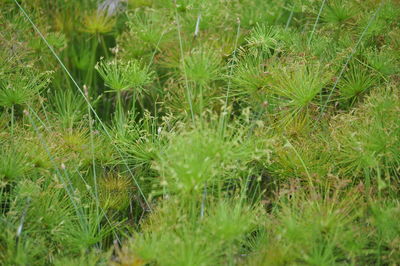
point(184, 132)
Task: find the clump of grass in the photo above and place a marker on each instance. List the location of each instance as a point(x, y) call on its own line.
point(355, 82)
point(150, 29)
point(249, 78)
point(382, 62)
point(296, 88)
point(217, 237)
point(383, 219)
point(22, 87)
point(121, 76)
point(115, 192)
point(338, 13)
point(207, 161)
point(13, 164)
point(69, 107)
point(367, 141)
point(264, 38)
point(313, 231)
point(202, 67)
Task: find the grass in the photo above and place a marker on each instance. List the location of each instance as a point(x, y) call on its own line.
point(191, 132)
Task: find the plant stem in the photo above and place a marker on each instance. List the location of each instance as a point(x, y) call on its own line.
point(316, 22)
point(119, 109)
point(12, 121)
point(188, 94)
point(290, 18)
point(134, 98)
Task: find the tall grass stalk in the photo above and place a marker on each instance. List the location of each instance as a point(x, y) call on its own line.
point(316, 22)
point(310, 181)
point(229, 85)
point(182, 59)
point(12, 121)
point(92, 151)
point(289, 20)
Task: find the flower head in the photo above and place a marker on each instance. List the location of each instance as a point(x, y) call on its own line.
point(124, 75)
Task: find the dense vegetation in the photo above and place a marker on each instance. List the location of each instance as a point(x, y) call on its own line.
point(188, 132)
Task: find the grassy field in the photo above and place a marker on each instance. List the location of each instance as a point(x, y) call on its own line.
point(199, 132)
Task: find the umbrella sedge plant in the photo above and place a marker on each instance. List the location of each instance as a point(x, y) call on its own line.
point(207, 132)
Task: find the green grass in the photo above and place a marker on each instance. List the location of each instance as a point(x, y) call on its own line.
point(185, 132)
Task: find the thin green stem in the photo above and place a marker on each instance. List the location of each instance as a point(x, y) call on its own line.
point(231, 64)
point(303, 164)
point(188, 94)
point(290, 17)
point(12, 121)
point(92, 150)
point(316, 22)
point(104, 46)
point(134, 99)
point(201, 99)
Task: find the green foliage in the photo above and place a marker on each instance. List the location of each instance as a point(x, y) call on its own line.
point(121, 76)
point(115, 192)
point(13, 164)
point(355, 82)
point(98, 23)
point(296, 87)
point(249, 77)
point(22, 87)
point(368, 139)
point(220, 233)
point(200, 157)
point(263, 38)
point(202, 67)
point(383, 62)
point(68, 107)
point(387, 230)
point(338, 12)
point(314, 231)
point(246, 132)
